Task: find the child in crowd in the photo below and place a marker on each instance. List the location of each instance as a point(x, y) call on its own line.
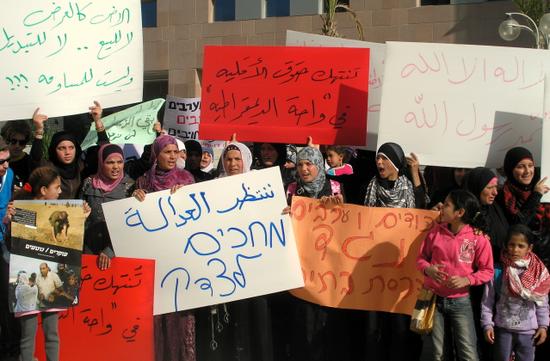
point(44, 184)
point(519, 320)
point(337, 161)
point(454, 256)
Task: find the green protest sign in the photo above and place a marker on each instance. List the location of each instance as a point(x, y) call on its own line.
point(133, 125)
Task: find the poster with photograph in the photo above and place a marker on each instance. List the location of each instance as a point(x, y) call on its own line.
point(47, 239)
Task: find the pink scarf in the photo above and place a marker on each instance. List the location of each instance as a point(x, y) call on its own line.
point(100, 180)
point(157, 179)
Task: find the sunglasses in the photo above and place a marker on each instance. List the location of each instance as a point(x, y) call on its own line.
point(2, 161)
point(21, 142)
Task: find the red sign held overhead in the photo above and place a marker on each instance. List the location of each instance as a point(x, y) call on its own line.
point(284, 94)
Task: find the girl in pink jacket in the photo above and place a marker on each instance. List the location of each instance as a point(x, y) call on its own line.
point(454, 256)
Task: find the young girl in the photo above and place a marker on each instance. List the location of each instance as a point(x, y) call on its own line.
point(455, 256)
point(337, 161)
point(520, 291)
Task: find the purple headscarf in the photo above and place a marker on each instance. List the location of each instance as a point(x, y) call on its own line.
point(157, 179)
point(100, 180)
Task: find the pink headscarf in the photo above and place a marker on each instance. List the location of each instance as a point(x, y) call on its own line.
point(157, 179)
point(100, 180)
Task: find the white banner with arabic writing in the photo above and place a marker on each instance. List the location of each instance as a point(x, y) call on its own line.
point(213, 242)
point(545, 148)
point(462, 105)
point(62, 55)
point(376, 71)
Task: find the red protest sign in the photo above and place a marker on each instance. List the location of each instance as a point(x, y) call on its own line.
point(114, 319)
point(284, 94)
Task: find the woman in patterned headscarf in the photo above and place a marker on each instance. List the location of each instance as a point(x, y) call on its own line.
point(388, 334)
point(312, 326)
point(312, 181)
point(391, 187)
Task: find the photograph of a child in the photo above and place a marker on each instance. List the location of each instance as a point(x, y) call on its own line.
point(40, 285)
point(59, 220)
point(58, 223)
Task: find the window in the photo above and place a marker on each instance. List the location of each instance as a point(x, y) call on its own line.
point(278, 7)
point(224, 10)
point(149, 13)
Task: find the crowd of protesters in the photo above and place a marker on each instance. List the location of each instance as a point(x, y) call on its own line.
point(486, 260)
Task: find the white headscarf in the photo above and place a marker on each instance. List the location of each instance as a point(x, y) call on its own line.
point(245, 154)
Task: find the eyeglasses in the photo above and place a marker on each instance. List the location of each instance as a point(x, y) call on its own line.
point(21, 142)
point(2, 161)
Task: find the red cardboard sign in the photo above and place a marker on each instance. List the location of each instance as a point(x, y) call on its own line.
point(114, 319)
point(284, 94)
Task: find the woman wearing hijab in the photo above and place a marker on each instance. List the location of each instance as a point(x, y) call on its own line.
point(522, 191)
point(174, 332)
point(207, 159)
point(245, 332)
point(64, 152)
point(26, 294)
point(236, 159)
point(312, 181)
point(314, 332)
point(520, 200)
point(273, 155)
point(483, 183)
point(163, 174)
point(392, 188)
point(193, 161)
point(110, 183)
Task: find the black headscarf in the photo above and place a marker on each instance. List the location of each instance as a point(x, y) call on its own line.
point(281, 154)
point(66, 171)
point(193, 146)
point(477, 179)
point(394, 153)
point(199, 175)
point(496, 224)
point(511, 159)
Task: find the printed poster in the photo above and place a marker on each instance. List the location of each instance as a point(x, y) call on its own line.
point(45, 263)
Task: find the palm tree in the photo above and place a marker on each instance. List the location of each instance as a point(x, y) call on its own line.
point(535, 9)
point(329, 23)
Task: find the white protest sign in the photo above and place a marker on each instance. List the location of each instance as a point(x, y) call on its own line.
point(376, 68)
point(62, 55)
point(545, 148)
point(182, 117)
point(213, 242)
point(462, 105)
